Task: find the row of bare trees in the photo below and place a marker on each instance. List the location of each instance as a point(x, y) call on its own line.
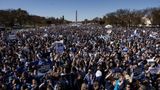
point(126, 17)
point(11, 17)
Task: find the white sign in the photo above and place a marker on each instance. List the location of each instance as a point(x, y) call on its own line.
point(59, 46)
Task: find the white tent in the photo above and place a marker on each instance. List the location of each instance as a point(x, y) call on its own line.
point(108, 26)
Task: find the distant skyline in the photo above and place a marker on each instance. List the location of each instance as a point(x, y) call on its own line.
point(87, 9)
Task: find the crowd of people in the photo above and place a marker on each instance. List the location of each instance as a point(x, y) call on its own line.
point(77, 58)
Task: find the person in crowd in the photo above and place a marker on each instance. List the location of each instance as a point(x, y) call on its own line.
point(84, 86)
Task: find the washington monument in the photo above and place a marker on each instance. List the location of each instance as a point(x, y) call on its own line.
point(76, 16)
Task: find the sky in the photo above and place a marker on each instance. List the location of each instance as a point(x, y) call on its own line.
point(87, 9)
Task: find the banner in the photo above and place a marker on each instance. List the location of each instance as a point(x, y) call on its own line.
point(59, 46)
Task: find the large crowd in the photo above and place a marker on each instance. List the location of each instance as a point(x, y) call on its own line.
point(80, 58)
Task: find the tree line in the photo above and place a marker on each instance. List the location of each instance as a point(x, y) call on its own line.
point(19, 17)
point(126, 17)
